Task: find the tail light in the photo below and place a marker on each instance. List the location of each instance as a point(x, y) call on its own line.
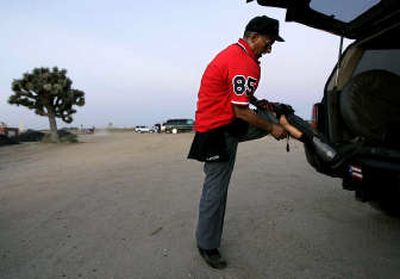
point(356, 172)
point(314, 119)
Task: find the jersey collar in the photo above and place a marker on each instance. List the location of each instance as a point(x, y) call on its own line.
point(246, 47)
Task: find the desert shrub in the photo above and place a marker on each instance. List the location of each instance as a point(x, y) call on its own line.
point(64, 136)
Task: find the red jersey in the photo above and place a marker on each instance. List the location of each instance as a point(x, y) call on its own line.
point(230, 79)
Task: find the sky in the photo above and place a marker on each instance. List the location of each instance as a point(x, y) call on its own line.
point(140, 62)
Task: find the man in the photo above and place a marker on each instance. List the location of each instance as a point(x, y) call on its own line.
point(223, 119)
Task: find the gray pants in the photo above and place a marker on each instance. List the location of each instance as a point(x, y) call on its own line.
point(215, 189)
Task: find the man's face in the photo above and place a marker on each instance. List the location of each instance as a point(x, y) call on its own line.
point(262, 44)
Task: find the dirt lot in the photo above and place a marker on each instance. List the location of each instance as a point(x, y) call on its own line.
point(124, 206)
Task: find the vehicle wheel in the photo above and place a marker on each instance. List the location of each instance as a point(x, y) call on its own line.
point(387, 208)
point(390, 206)
point(370, 105)
point(387, 199)
point(174, 131)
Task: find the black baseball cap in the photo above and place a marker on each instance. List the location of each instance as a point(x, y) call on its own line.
point(265, 26)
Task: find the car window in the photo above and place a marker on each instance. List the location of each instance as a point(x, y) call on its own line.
point(343, 10)
point(388, 59)
point(180, 122)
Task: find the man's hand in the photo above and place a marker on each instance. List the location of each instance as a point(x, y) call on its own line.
point(278, 132)
point(294, 132)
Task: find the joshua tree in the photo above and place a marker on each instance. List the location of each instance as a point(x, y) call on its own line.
point(48, 93)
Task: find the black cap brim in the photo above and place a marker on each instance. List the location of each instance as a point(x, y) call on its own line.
point(279, 38)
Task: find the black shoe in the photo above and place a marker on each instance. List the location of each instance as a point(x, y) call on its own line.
point(213, 258)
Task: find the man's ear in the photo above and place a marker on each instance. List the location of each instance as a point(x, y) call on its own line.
point(254, 37)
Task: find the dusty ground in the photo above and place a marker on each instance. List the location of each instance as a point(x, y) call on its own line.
point(124, 206)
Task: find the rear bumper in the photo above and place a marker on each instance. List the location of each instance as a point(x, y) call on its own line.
point(373, 179)
point(366, 165)
point(373, 173)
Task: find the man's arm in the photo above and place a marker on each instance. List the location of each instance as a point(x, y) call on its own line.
point(246, 114)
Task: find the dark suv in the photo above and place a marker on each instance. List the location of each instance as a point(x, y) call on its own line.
point(359, 114)
point(175, 126)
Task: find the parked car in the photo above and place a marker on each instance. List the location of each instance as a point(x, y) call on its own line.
point(5, 140)
point(175, 126)
point(359, 113)
point(159, 127)
point(142, 129)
